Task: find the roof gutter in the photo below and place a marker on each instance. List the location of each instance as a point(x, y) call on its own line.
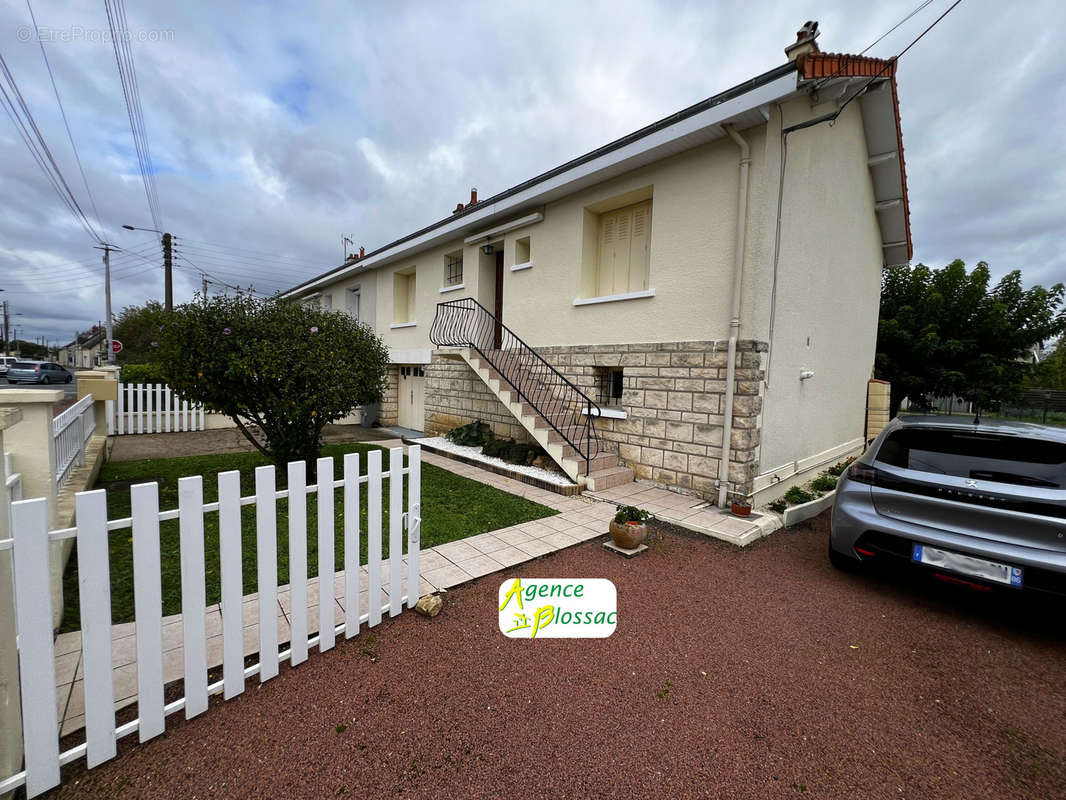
point(734, 316)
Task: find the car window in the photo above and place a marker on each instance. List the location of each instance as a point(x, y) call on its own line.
point(23, 365)
point(981, 456)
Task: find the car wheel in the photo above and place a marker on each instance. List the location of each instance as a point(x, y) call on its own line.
point(843, 562)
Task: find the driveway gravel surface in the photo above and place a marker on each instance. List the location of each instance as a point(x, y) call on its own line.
point(752, 673)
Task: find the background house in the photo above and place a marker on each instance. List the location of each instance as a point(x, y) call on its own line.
point(89, 349)
point(712, 281)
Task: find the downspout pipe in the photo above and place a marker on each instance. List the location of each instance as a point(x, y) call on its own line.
point(734, 316)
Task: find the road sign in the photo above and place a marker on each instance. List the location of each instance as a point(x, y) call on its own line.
point(116, 346)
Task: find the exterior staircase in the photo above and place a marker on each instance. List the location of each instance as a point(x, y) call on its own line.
point(543, 401)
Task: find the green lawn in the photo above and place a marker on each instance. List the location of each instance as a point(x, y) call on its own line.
point(453, 507)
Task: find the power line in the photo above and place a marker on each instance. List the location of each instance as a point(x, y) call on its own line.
point(255, 259)
point(31, 136)
point(70, 268)
point(896, 58)
point(63, 113)
point(127, 71)
point(258, 269)
point(242, 250)
point(215, 278)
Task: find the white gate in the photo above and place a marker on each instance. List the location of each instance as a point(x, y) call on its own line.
point(34, 605)
point(152, 408)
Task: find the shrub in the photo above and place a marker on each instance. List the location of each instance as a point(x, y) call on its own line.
point(795, 496)
point(473, 434)
point(630, 514)
point(498, 448)
point(285, 368)
point(522, 454)
point(824, 483)
point(778, 506)
point(143, 373)
point(838, 469)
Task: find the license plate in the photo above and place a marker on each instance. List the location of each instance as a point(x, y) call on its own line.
point(968, 565)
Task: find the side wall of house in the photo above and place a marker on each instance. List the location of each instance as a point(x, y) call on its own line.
point(820, 309)
point(673, 397)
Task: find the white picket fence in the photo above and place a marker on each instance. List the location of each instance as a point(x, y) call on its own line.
point(14, 480)
point(30, 544)
point(152, 408)
point(71, 430)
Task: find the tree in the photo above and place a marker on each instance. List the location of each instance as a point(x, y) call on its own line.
point(137, 327)
point(944, 332)
point(1051, 372)
point(278, 366)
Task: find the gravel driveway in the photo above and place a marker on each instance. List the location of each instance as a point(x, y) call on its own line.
point(733, 674)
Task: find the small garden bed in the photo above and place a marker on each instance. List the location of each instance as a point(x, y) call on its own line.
point(810, 492)
point(454, 507)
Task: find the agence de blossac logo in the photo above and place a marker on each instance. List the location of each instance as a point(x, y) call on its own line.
point(558, 608)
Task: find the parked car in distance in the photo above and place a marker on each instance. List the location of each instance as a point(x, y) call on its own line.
point(980, 504)
point(5, 363)
point(38, 372)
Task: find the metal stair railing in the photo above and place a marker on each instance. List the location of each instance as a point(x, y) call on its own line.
point(467, 323)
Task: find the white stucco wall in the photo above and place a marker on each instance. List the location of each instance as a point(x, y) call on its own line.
point(828, 287)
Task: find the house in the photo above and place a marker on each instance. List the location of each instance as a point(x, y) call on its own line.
point(707, 288)
point(89, 349)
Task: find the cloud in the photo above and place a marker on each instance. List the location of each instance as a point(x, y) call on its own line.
point(278, 128)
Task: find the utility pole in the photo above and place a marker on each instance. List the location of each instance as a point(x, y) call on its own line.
point(204, 277)
point(6, 351)
point(168, 274)
point(107, 248)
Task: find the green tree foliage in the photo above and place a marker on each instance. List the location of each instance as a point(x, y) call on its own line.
point(281, 367)
point(1051, 372)
point(945, 332)
point(137, 327)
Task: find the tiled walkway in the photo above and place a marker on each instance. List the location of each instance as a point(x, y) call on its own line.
point(441, 567)
point(691, 513)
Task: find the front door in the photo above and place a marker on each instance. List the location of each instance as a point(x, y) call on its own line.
point(412, 394)
point(498, 308)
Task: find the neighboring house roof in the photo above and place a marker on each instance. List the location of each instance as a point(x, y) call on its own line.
point(827, 67)
point(744, 105)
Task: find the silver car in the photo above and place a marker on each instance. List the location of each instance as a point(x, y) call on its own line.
point(38, 372)
point(982, 504)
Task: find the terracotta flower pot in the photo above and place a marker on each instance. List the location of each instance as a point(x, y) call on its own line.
point(740, 509)
point(629, 535)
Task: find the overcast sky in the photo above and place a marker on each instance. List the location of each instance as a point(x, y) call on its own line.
point(278, 128)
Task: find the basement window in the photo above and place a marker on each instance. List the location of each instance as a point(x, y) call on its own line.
point(609, 385)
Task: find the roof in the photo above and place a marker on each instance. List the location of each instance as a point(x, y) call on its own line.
point(689, 127)
point(834, 66)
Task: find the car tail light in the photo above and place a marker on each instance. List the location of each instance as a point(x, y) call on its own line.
point(862, 473)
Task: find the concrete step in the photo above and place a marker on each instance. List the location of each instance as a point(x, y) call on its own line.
point(608, 478)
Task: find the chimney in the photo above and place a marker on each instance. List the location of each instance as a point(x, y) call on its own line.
point(473, 197)
point(362, 252)
point(805, 41)
point(458, 208)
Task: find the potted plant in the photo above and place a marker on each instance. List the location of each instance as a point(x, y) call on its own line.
point(628, 529)
point(740, 506)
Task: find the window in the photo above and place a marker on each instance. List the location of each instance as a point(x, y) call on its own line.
point(980, 456)
point(354, 297)
point(623, 250)
point(325, 302)
point(453, 269)
point(412, 372)
point(403, 297)
point(522, 254)
point(609, 384)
